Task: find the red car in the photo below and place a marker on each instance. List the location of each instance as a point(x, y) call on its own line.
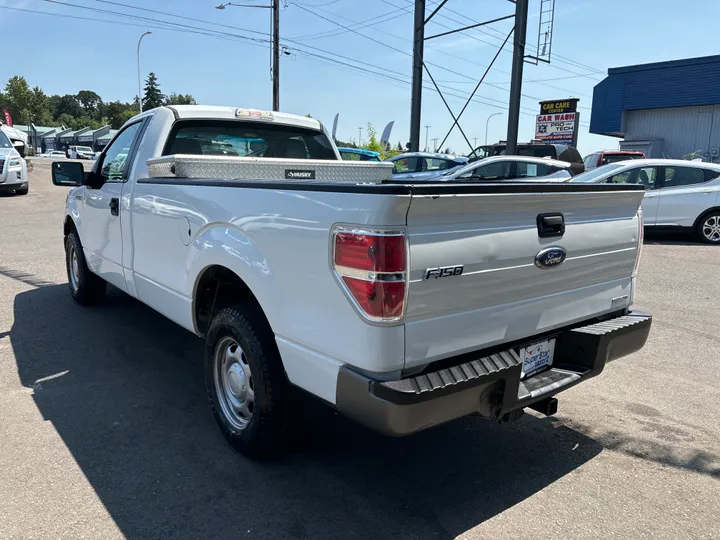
point(610, 156)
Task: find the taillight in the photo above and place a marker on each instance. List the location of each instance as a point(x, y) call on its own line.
point(641, 237)
point(372, 267)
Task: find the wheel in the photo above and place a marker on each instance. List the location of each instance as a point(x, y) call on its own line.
point(85, 287)
point(250, 396)
point(23, 191)
point(708, 229)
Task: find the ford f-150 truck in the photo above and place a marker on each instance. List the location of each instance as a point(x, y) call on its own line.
point(402, 305)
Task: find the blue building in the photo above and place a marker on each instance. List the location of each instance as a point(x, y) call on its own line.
point(665, 109)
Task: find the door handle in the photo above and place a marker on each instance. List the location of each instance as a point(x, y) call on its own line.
point(707, 191)
point(550, 225)
point(115, 206)
point(650, 195)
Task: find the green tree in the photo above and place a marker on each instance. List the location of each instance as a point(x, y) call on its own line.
point(66, 120)
point(399, 148)
point(117, 113)
point(18, 99)
point(91, 103)
point(180, 99)
point(153, 96)
point(67, 104)
point(40, 113)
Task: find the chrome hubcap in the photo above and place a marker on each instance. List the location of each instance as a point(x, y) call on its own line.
point(711, 228)
point(234, 383)
point(74, 269)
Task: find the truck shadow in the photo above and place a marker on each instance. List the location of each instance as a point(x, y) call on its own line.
point(123, 387)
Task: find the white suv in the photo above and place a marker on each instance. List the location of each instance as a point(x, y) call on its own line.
point(680, 194)
point(80, 152)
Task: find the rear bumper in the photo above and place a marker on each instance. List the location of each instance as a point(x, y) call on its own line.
point(489, 385)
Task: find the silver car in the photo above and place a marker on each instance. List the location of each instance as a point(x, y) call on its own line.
point(679, 194)
point(511, 168)
point(421, 165)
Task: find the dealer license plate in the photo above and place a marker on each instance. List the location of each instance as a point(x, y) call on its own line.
point(536, 356)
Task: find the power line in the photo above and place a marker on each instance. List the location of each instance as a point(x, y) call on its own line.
point(486, 31)
point(170, 26)
point(401, 51)
point(144, 25)
point(359, 24)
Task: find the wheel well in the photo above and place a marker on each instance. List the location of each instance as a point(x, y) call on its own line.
point(218, 288)
point(68, 226)
point(705, 214)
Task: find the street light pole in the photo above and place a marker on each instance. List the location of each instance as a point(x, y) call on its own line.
point(435, 140)
point(138, 65)
point(275, 6)
point(276, 55)
point(486, 124)
point(427, 128)
point(359, 137)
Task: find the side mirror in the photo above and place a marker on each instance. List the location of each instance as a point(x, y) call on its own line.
point(67, 173)
point(20, 147)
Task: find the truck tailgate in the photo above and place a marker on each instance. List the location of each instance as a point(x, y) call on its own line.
point(502, 295)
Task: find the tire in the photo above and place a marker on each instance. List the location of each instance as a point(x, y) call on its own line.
point(22, 191)
point(85, 287)
point(708, 228)
point(248, 391)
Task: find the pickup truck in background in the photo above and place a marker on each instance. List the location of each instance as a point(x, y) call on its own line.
point(402, 305)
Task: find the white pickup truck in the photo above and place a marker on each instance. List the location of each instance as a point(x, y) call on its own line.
point(402, 305)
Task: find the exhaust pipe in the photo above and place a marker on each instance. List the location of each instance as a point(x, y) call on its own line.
point(548, 406)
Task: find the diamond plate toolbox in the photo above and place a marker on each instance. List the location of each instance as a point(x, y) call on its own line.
point(269, 169)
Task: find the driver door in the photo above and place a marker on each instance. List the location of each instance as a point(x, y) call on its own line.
point(103, 214)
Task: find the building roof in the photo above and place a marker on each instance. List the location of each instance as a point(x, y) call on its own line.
point(677, 83)
point(38, 129)
point(109, 136)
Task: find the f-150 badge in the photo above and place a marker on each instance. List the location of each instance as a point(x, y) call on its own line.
point(443, 271)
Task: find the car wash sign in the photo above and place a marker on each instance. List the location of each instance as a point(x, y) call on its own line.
point(558, 121)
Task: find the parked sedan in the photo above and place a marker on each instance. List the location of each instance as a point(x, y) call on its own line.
point(422, 165)
point(358, 154)
point(680, 194)
point(511, 168)
point(605, 157)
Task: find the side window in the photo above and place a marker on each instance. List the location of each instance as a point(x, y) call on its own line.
point(432, 164)
point(490, 171)
point(406, 165)
point(115, 158)
point(683, 176)
point(531, 170)
point(588, 160)
point(645, 176)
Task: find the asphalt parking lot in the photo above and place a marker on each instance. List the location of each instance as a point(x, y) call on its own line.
point(105, 431)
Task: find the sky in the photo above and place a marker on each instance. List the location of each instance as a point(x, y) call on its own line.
point(352, 57)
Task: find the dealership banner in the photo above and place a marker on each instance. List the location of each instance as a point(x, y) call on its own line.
point(558, 121)
point(8, 118)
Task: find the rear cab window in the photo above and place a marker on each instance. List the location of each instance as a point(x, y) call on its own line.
point(614, 158)
point(247, 139)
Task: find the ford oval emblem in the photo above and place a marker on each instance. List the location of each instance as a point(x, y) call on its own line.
point(549, 257)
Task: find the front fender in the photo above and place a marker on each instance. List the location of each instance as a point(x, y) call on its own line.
point(73, 202)
point(229, 246)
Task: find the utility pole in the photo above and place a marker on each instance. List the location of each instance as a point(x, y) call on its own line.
point(276, 55)
point(275, 7)
point(427, 129)
point(521, 16)
point(417, 73)
point(435, 140)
